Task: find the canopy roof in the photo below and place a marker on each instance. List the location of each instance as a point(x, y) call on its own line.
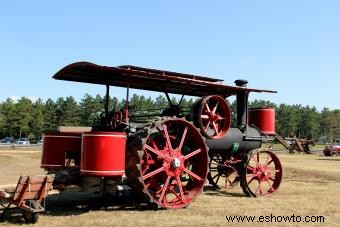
point(148, 79)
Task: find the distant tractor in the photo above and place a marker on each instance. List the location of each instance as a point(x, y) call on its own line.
point(167, 159)
point(296, 144)
point(331, 150)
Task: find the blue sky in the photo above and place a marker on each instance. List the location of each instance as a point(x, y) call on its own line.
point(289, 46)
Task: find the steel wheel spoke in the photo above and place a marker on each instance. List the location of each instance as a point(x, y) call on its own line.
point(192, 154)
point(154, 151)
point(267, 161)
point(215, 108)
point(219, 118)
point(203, 116)
point(168, 142)
point(255, 160)
point(207, 107)
point(193, 174)
point(152, 181)
point(183, 138)
point(216, 176)
point(164, 189)
point(179, 183)
point(207, 126)
point(259, 189)
point(271, 187)
point(250, 168)
point(154, 145)
point(270, 162)
point(251, 180)
point(215, 127)
point(175, 194)
point(153, 173)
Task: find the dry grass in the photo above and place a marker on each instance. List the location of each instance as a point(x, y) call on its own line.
point(310, 187)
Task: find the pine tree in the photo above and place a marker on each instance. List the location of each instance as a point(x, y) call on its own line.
point(90, 109)
point(24, 110)
point(36, 123)
point(9, 118)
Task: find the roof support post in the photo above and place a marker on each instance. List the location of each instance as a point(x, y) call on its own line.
point(168, 98)
point(180, 101)
point(107, 99)
point(127, 104)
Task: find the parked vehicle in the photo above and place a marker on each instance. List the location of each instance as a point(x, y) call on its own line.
point(23, 141)
point(331, 150)
point(7, 140)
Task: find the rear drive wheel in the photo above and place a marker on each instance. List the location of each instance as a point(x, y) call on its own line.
point(169, 166)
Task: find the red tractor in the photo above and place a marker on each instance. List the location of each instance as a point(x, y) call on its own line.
point(331, 150)
point(165, 160)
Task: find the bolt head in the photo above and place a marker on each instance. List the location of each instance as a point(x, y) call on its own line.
point(175, 163)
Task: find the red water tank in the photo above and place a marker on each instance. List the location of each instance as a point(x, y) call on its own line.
point(103, 154)
point(263, 118)
point(56, 145)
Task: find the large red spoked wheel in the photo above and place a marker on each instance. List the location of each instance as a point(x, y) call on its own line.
point(213, 117)
point(262, 175)
point(171, 166)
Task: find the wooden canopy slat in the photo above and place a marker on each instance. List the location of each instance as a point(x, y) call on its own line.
point(153, 80)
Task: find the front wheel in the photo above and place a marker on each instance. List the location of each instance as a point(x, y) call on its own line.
point(262, 173)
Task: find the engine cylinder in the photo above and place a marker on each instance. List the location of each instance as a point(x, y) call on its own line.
point(235, 141)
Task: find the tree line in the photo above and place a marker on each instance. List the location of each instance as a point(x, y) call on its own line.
point(27, 118)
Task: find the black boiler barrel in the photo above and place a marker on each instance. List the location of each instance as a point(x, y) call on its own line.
point(235, 141)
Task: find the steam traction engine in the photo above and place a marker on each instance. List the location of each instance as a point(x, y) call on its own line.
point(166, 160)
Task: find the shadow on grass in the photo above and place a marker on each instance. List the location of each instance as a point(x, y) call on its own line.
point(13, 216)
point(210, 191)
point(73, 204)
point(64, 206)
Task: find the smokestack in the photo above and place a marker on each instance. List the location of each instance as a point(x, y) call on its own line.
point(242, 105)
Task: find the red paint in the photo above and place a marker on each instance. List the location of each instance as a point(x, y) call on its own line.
point(55, 145)
point(103, 154)
point(264, 119)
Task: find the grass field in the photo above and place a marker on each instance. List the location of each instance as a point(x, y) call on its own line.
point(310, 187)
